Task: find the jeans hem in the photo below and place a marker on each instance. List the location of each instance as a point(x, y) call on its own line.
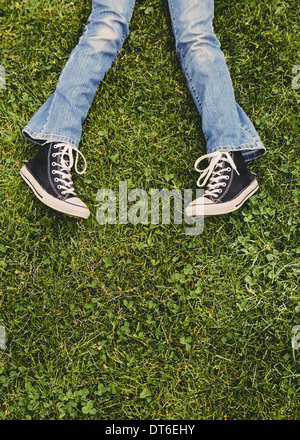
point(40, 139)
point(249, 151)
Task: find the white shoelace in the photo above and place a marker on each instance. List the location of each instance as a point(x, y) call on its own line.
point(66, 165)
point(213, 187)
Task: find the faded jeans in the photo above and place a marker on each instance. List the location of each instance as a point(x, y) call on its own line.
point(225, 125)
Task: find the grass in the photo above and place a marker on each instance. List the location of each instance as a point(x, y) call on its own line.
point(143, 321)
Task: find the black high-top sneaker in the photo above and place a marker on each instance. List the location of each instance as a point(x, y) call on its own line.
point(228, 183)
point(48, 175)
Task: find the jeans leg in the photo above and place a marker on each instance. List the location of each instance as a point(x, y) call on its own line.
point(225, 125)
point(61, 117)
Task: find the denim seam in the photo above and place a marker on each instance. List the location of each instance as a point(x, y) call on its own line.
point(249, 151)
point(124, 36)
point(249, 135)
point(248, 146)
point(183, 61)
point(47, 135)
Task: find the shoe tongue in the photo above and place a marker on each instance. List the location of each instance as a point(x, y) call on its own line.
point(64, 159)
point(221, 164)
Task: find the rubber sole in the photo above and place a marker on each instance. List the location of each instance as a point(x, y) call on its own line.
point(65, 207)
point(208, 210)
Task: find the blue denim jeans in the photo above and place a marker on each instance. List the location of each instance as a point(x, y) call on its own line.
point(225, 125)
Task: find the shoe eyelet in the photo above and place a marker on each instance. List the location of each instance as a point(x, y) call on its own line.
point(58, 186)
point(55, 179)
point(53, 172)
point(53, 164)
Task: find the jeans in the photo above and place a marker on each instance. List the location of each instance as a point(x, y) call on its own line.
point(225, 125)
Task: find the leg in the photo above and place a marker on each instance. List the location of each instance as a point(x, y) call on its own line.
point(60, 118)
point(57, 125)
point(226, 127)
point(231, 138)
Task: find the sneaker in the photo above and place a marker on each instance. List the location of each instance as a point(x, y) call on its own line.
point(228, 182)
point(48, 175)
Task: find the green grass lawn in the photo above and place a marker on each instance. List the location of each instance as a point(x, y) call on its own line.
point(144, 321)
